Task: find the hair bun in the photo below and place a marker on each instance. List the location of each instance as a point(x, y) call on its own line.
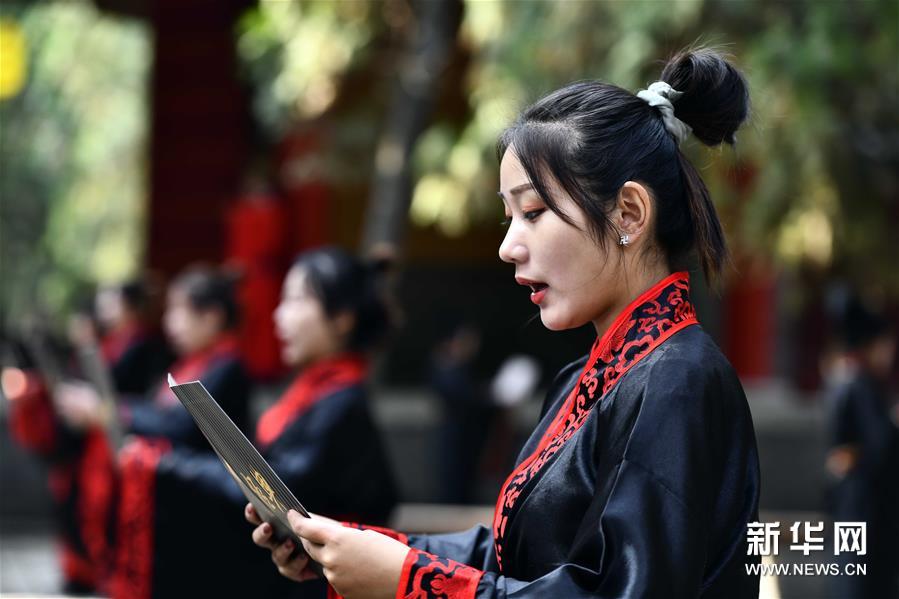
point(715, 99)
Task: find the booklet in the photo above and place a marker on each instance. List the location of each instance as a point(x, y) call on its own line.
point(259, 483)
point(97, 372)
point(93, 368)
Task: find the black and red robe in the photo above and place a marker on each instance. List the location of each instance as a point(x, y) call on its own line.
point(319, 437)
point(82, 470)
point(158, 427)
point(639, 480)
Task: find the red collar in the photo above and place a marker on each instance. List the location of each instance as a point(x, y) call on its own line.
point(314, 383)
point(194, 366)
point(117, 341)
point(642, 326)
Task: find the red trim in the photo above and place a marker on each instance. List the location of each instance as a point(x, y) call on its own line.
point(76, 569)
point(192, 367)
point(426, 576)
point(133, 574)
point(641, 327)
point(405, 574)
point(314, 383)
point(32, 419)
point(117, 341)
point(97, 486)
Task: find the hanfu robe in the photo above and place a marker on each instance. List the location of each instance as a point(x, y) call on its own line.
point(639, 480)
point(160, 426)
point(82, 469)
point(319, 437)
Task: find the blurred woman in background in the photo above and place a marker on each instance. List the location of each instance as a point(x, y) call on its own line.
point(56, 423)
point(130, 345)
point(199, 321)
point(319, 436)
point(864, 448)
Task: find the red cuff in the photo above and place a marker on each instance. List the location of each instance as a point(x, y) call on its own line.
point(426, 576)
point(387, 532)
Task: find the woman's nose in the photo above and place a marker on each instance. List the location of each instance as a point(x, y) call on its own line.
point(512, 249)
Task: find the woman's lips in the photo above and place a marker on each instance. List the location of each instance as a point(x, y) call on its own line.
point(538, 293)
point(538, 289)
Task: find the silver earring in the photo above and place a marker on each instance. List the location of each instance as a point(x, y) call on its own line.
point(625, 239)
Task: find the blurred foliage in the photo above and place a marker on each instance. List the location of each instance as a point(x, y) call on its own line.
point(72, 145)
point(296, 52)
point(812, 181)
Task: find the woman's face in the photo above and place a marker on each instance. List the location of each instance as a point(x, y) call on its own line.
point(110, 307)
point(570, 276)
point(304, 328)
point(189, 330)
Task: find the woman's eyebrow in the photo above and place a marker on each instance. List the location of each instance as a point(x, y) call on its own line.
point(517, 190)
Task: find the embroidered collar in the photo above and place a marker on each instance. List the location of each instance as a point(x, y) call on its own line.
point(641, 327)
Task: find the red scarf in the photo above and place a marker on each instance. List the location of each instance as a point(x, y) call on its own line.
point(194, 366)
point(116, 342)
point(314, 383)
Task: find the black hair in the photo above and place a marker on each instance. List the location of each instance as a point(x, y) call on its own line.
point(343, 282)
point(592, 137)
point(134, 294)
point(208, 288)
point(858, 324)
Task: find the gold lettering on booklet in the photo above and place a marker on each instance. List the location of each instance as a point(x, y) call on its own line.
point(264, 491)
point(260, 488)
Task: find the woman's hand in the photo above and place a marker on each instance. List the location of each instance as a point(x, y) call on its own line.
point(357, 563)
point(80, 405)
point(841, 460)
point(291, 564)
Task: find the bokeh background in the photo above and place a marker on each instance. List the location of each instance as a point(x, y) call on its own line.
point(138, 136)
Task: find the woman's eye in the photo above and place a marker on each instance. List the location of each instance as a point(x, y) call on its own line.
point(506, 221)
point(532, 215)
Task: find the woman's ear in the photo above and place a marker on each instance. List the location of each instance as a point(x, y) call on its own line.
point(344, 322)
point(633, 211)
point(214, 319)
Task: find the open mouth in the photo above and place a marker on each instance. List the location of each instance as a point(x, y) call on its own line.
point(538, 290)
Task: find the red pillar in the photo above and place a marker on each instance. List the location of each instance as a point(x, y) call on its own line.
point(200, 130)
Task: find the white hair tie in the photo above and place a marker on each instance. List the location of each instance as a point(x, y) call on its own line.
point(661, 95)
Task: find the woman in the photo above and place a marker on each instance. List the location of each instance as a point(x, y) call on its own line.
point(137, 358)
point(199, 321)
point(864, 454)
point(319, 437)
point(81, 462)
point(642, 474)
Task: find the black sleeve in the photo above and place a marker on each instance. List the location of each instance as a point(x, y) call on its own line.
point(142, 364)
point(306, 455)
point(226, 382)
point(203, 472)
point(688, 451)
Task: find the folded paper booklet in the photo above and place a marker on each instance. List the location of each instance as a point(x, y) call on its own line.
point(262, 487)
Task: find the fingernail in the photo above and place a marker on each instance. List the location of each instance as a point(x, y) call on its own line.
point(266, 528)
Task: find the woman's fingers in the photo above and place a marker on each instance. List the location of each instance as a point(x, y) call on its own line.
point(283, 553)
point(250, 514)
point(317, 531)
point(290, 564)
point(262, 536)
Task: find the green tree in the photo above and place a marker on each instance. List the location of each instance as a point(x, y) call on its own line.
point(72, 151)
